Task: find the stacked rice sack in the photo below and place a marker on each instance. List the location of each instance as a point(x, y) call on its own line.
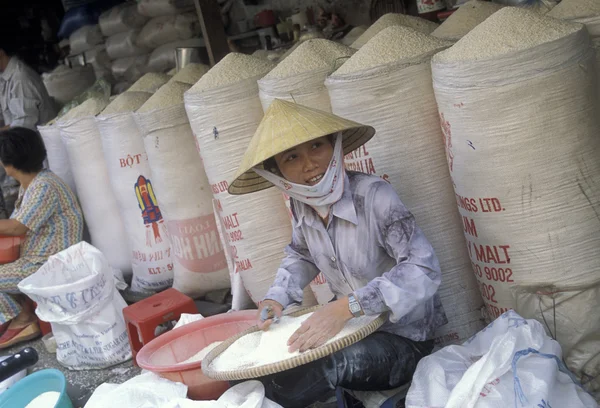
point(171, 25)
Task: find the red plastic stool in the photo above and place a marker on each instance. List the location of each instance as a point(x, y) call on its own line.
point(142, 317)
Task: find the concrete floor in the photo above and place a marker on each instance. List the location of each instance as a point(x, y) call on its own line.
point(81, 384)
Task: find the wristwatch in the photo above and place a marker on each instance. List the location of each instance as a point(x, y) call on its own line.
point(354, 306)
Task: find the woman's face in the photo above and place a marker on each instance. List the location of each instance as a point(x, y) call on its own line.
point(307, 163)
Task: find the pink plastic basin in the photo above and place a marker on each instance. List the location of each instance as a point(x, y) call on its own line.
point(163, 354)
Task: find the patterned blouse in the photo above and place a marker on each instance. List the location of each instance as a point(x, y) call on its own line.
point(50, 210)
point(372, 247)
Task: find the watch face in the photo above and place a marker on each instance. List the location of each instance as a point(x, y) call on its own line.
point(354, 308)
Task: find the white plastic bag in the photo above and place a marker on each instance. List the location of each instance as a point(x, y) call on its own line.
point(64, 83)
point(120, 18)
point(130, 178)
point(157, 8)
point(84, 148)
point(146, 390)
point(130, 69)
point(76, 292)
point(185, 199)
point(98, 58)
point(166, 29)
point(58, 158)
point(85, 39)
point(124, 45)
point(510, 363)
point(249, 394)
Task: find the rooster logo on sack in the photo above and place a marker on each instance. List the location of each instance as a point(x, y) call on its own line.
point(150, 211)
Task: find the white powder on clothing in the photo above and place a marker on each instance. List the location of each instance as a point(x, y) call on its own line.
point(466, 18)
point(395, 43)
point(508, 30)
point(266, 347)
point(45, 400)
point(199, 356)
point(235, 67)
point(312, 55)
point(391, 19)
point(568, 9)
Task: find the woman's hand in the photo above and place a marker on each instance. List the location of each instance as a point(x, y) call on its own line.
point(277, 311)
point(322, 326)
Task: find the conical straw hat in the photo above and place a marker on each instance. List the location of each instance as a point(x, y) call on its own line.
point(287, 125)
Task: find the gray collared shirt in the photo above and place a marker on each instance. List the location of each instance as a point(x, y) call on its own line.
point(371, 247)
point(24, 100)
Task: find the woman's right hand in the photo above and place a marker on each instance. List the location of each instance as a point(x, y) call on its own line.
point(277, 310)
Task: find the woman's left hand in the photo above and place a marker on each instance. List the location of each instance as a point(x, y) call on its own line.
point(322, 326)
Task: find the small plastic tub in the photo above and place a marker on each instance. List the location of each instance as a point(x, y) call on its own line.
point(163, 354)
point(10, 248)
point(30, 387)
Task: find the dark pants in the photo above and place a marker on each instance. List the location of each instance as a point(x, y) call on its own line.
point(381, 361)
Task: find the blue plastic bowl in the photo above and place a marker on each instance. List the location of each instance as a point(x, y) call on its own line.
point(27, 389)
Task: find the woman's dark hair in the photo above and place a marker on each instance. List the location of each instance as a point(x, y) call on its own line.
point(23, 149)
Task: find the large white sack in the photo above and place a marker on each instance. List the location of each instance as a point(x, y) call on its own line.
point(522, 147)
point(257, 227)
point(407, 151)
point(130, 69)
point(131, 181)
point(122, 45)
point(157, 8)
point(121, 18)
point(64, 83)
point(76, 292)
point(163, 58)
point(166, 29)
point(85, 38)
point(511, 363)
point(58, 159)
point(84, 148)
point(185, 199)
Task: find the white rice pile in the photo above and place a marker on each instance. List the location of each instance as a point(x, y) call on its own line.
point(191, 73)
point(170, 94)
point(199, 356)
point(507, 30)
point(91, 107)
point(266, 347)
point(395, 43)
point(310, 56)
point(235, 67)
point(172, 72)
point(392, 19)
point(466, 18)
point(150, 82)
point(126, 102)
point(569, 9)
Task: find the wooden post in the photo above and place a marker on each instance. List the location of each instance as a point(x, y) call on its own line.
point(213, 31)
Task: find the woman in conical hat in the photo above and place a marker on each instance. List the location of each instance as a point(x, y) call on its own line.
point(354, 229)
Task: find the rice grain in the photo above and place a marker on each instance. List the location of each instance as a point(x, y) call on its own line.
point(91, 107)
point(235, 67)
point(395, 43)
point(508, 30)
point(150, 82)
point(312, 55)
point(466, 18)
point(570, 9)
point(129, 101)
point(191, 73)
point(170, 94)
point(391, 19)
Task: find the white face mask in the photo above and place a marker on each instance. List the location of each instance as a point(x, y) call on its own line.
point(323, 194)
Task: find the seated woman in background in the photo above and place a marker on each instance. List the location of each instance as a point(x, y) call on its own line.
point(46, 212)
